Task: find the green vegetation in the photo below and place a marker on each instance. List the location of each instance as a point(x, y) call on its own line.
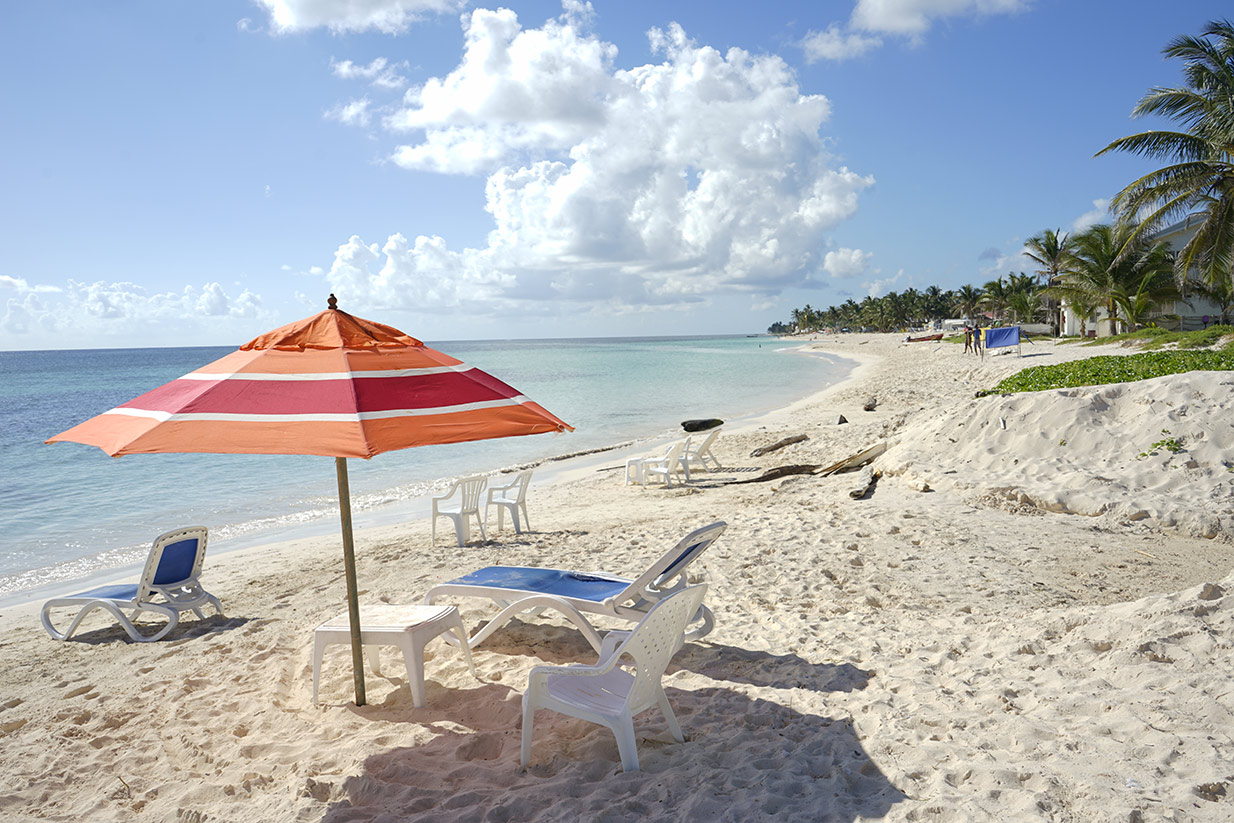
point(1171, 444)
point(1156, 338)
point(1098, 371)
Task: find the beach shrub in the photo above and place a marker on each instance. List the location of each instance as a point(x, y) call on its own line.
point(1098, 371)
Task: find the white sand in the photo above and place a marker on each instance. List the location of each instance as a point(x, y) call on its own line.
point(1043, 634)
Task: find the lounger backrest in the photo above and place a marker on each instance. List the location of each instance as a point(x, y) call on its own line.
point(668, 573)
point(710, 439)
point(656, 639)
point(176, 556)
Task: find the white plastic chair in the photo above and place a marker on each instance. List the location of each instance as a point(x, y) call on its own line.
point(700, 456)
point(467, 506)
point(667, 466)
point(171, 573)
point(512, 496)
point(609, 695)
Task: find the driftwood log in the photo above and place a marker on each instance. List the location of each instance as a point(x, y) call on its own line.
point(788, 441)
point(777, 473)
point(863, 483)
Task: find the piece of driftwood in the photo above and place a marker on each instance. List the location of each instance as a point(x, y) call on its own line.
point(701, 425)
point(788, 441)
point(777, 473)
point(857, 460)
point(863, 483)
point(870, 404)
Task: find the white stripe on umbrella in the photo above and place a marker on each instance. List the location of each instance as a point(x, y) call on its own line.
point(342, 375)
point(163, 416)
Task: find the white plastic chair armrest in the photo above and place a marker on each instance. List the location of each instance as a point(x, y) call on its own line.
point(610, 643)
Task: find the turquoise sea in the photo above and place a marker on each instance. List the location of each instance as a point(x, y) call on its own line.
point(69, 511)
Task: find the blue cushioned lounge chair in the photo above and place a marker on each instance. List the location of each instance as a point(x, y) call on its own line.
point(168, 586)
point(520, 589)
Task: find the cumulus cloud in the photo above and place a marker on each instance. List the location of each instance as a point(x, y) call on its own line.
point(352, 113)
point(898, 18)
point(913, 18)
point(379, 72)
point(1099, 213)
point(614, 188)
point(21, 286)
point(833, 44)
point(388, 16)
point(847, 262)
point(877, 288)
point(96, 313)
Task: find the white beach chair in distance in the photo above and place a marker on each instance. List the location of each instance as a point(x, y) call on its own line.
point(468, 490)
point(700, 456)
point(518, 589)
point(609, 695)
point(668, 466)
point(512, 496)
point(170, 573)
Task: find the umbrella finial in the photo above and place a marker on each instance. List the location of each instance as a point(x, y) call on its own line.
point(332, 303)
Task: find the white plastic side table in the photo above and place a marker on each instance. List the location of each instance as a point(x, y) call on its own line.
point(408, 627)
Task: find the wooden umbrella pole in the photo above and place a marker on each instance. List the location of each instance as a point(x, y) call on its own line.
point(349, 563)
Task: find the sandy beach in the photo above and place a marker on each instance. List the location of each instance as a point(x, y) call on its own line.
point(1028, 617)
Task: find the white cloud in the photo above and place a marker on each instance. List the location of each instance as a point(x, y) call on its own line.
point(100, 313)
point(353, 113)
point(913, 18)
point(389, 16)
point(610, 189)
point(877, 288)
point(20, 285)
point(833, 44)
point(379, 72)
point(1099, 213)
point(847, 262)
point(247, 26)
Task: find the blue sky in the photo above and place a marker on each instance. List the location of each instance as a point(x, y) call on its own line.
point(179, 173)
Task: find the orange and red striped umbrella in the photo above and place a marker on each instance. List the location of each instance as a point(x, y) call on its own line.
point(332, 385)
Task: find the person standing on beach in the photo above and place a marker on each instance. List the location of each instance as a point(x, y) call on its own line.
point(968, 339)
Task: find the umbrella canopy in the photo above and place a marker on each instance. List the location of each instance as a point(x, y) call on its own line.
point(332, 385)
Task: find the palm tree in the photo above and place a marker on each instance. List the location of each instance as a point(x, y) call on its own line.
point(1109, 268)
point(1025, 305)
point(1221, 292)
point(996, 296)
point(968, 300)
point(1051, 250)
point(1199, 179)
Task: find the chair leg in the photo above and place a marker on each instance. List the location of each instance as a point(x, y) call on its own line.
point(529, 714)
point(526, 519)
point(319, 649)
point(623, 730)
point(670, 719)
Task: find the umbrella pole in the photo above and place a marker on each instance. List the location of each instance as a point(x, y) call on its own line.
point(349, 562)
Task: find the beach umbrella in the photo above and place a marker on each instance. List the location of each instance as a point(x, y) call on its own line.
point(331, 385)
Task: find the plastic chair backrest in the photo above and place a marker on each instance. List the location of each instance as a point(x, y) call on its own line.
point(656, 639)
point(711, 436)
point(176, 556)
point(523, 480)
point(674, 562)
point(472, 488)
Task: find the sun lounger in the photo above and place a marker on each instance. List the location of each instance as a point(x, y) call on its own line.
point(608, 694)
point(171, 574)
point(520, 589)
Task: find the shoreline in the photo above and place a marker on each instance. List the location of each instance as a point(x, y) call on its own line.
point(549, 470)
point(954, 644)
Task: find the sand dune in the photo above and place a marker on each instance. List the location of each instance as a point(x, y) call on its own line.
point(1047, 639)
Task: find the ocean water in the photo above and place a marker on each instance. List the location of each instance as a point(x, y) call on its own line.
point(68, 510)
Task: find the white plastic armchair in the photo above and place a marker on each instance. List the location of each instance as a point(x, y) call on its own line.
point(608, 694)
point(512, 496)
point(700, 456)
point(666, 467)
point(168, 585)
point(467, 505)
